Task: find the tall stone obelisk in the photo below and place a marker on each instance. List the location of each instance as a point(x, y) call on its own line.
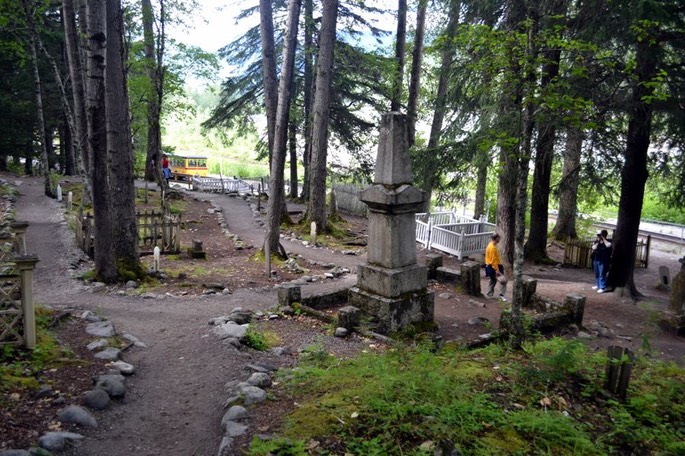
point(391, 287)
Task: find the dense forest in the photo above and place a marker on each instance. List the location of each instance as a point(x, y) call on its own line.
point(515, 103)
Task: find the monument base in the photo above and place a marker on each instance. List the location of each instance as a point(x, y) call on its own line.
point(674, 323)
point(394, 314)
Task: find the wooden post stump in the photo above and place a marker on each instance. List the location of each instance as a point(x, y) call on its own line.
point(470, 278)
point(433, 262)
point(25, 266)
point(530, 286)
point(619, 367)
point(196, 251)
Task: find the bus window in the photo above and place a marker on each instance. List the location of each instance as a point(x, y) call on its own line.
point(202, 163)
point(192, 163)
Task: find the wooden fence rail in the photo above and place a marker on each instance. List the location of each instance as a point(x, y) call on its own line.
point(578, 252)
point(155, 229)
point(17, 312)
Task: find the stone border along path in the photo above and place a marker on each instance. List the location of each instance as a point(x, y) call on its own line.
point(173, 403)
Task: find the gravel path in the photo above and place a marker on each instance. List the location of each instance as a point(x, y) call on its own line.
point(174, 402)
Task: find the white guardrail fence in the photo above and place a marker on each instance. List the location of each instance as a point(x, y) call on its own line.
point(452, 233)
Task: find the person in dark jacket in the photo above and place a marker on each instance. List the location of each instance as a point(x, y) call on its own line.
point(601, 259)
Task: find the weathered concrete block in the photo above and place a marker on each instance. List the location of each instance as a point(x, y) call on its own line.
point(447, 275)
point(391, 315)
point(433, 262)
point(393, 162)
point(392, 283)
point(289, 294)
point(530, 285)
point(575, 305)
point(389, 233)
point(470, 278)
point(349, 317)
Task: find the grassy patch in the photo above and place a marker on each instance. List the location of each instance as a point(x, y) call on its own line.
point(546, 399)
point(260, 340)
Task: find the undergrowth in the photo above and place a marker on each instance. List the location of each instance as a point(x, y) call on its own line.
point(546, 399)
point(260, 340)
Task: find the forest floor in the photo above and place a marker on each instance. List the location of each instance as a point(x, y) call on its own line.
point(174, 402)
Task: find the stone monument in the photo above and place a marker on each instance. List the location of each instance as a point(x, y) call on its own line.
point(674, 317)
point(391, 287)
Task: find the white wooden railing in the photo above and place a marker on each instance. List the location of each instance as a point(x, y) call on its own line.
point(452, 233)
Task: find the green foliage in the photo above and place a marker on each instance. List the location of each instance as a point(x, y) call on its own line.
point(259, 340)
point(276, 447)
point(542, 400)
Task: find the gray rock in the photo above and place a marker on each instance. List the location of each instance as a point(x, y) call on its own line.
point(278, 351)
point(124, 368)
point(252, 395)
point(218, 321)
point(131, 284)
point(341, 332)
point(232, 342)
point(233, 429)
point(14, 453)
point(445, 295)
point(57, 441)
point(96, 399)
point(225, 447)
point(241, 317)
point(259, 379)
point(61, 400)
point(584, 335)
point(101, 329)
point(262, 367)
point(74, 414)
point(230, 329)
point(97, 344)
point(235, 413)
point(110, 354)
point(98, 287)
point(114, 388)
point(44, 391)
point(111, 375)
point(478, 321)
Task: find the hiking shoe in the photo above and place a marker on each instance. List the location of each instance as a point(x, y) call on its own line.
point(601, 290)
point(595, 287)
point(502, 298)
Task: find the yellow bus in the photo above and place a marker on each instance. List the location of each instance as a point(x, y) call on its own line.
point(187, 165)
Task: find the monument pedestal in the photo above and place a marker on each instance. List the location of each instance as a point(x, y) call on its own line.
point(393, 314)
point(391, 287)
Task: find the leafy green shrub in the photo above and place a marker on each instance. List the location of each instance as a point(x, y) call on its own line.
point(259, 340)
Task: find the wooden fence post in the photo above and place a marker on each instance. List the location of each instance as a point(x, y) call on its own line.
point(25, 265)
point(618, 370)
point(19, 229)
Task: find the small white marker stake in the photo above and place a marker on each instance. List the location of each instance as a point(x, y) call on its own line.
point(70, 200)
point(59, 193)
point(155, 262)
point(312, 234)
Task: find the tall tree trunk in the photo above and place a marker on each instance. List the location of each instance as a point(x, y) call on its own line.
point(152, 66)
point(277, 196)
point(481, 183)
point(105, 268)
point(120, 150)
point(75, 64)
point(536, 246)
point(415, 79)
point(565, 227)
point(50, 148)
point(429, 177)
point(634, 173)
point(400, 42)
point(292, 146)
point(266, 28)
point(523, 165)
point(308, 93)
point(39, 98)
point(69, 152)
point(322, 100)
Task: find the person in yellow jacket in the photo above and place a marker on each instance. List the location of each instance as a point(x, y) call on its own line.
point(494, 269)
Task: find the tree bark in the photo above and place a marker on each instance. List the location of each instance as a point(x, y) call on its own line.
point(634, 173)
point(429, 177)
point(266, 28)
point(308, 93)
point(277, 196)
point(481, 183)
point(415, 79)
point(67, 139)
point(536, 246)
point(154, 106)
point(39, 99)
point(565, 227)
point(120, 150)
point(105, 268)
point(322, 97)
point(292, 146)
point(400, 44)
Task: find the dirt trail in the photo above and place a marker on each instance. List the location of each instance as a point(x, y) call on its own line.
point(174, 403)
